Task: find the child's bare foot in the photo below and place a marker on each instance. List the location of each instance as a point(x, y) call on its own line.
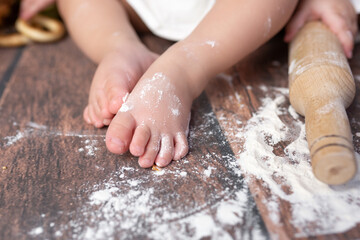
point(115, 77)
point(153, 122)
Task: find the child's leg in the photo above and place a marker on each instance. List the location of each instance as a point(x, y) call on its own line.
point(154, 120)
point(102, 30)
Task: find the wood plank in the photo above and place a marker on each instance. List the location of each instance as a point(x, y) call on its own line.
point(237, 96)
point(59, 181)
point(8, 61)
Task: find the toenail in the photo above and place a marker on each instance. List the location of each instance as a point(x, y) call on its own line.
point(98, 124)
point(147, 163)
point(137, 150)
point(106, 122)
point(117, 142)
point(161, 163)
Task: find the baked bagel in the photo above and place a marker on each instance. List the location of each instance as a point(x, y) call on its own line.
point(49, 29)
point(37, 29)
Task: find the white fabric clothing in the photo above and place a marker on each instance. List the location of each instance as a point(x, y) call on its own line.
point(356, 4)
point(171, 19)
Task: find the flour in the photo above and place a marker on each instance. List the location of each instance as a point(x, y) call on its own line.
point(316, 208)
point(90, 147)
point(10, 140)
point(293, 112)
point(36, 231)
point(211, 43)
point(126, 106)
point(133, 203)
point(128, 211)
point(33, 129)
point(331, 58)
point(208, 171)
point(330, 107)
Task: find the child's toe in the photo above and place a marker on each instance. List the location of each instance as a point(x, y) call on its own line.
point(140, 139)
point(93, 117)
point(106, 122)
point(119, 133)
point(181, 146)
point(103, 104)
point(152, 149)
point(166, 152)
point(86, 115)
point(116, 96)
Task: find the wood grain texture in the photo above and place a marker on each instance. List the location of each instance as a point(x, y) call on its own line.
point(54, 163)
point(321, 87)
point(236, 101)
point(8, 62)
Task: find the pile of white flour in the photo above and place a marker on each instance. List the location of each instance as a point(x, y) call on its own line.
point(316, 208)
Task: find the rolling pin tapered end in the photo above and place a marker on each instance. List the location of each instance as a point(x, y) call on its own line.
point(334, 165)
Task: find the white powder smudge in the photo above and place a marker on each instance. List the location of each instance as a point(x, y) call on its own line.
point(316, 208)
point(35, 129)
point(292, 66)
point(293, 112)
point(228, 214)
point(175, 112)
point(211, 43)
point(90, 147)
point(326, 109)
point(127, 106)
point(310, 61)
point(121, 206)
point(36, 126)
point(36, 231)
point(208, 171)
point(10, 140)
point(125, 97)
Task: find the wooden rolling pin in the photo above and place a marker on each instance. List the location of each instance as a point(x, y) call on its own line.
point(321, 88)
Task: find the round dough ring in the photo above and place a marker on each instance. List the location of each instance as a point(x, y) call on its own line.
point(14, 40)
point(55, 29)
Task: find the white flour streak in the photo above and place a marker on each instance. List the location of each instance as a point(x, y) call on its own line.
point(90, 147)
point(36, 126)
point(293, 112)
point(316, 208)
point(131, 204)
point(10, 140)
point(175, 112)
point(125, 97)
point(126, 107)
point(36, 231)
point(208, 171)
point(35, 129)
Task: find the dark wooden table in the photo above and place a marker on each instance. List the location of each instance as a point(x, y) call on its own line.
point(58, 181)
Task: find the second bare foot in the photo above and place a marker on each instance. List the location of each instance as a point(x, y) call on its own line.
point(115, 78)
